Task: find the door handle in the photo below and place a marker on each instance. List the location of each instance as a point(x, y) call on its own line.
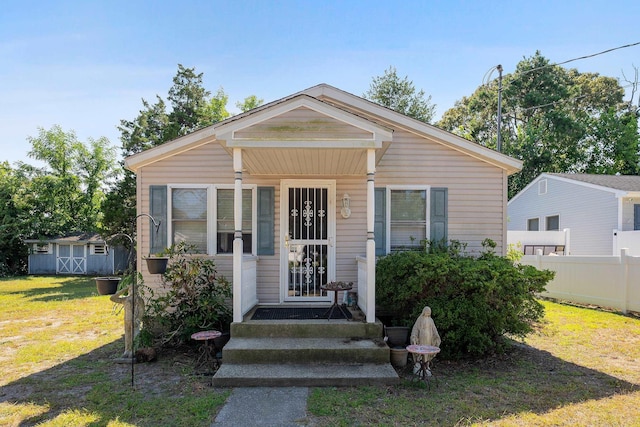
point(286, 240)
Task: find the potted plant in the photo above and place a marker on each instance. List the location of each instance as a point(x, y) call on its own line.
point(157, 264)
point(107, 285)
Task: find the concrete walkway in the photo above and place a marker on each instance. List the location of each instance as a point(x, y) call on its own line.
point(265, 406)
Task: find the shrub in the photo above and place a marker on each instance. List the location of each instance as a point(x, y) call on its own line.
point(475, 301)
point(196, 299)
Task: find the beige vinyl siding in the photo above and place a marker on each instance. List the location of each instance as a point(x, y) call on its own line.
point(476, 198)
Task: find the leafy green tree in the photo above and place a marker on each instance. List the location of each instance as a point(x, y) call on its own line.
point(249, 103)
point(554, 119)
point(400, 95)
point(13, 252)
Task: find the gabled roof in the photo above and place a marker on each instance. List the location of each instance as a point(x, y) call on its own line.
point(68, 239)
point(616, 182)
point(365, 116)
point(620, 185)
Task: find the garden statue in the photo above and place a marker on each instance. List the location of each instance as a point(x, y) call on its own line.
point(424, 332)
point(132, 321)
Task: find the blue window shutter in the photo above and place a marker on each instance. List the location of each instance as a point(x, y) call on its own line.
point(439, 216)
point(636, 217)
point(266, 220)
point(158, 210)
point(380, 221)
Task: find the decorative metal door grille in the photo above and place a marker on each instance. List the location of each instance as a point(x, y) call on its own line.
point(307, 241)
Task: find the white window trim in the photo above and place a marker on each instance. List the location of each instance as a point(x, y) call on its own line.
point(38, 252)
point(254, 216)
point(549, 216)
point(212, 228)
point(526, 226)
point(389, 188)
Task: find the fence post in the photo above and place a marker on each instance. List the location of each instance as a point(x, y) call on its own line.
point(567, 241)
point(624, 262)
point(539, 259)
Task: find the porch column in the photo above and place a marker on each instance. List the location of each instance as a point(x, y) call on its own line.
point(371, 244)
point(237, 236)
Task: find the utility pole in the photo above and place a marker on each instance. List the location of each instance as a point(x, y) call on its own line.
point(499, 142)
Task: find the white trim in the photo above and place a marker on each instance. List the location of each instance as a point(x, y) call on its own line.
point(542, 187)
point(285, 184)
point(170, 188)
point(254, 217)
point(92, 249)
point(38, 249)
point(389, 189)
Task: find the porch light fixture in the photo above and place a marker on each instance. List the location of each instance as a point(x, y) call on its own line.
point(346, 206)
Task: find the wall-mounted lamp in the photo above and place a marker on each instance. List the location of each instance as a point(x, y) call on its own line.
point(346, 206)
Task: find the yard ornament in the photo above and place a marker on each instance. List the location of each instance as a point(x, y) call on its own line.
point(424, 332)
point(132, 321)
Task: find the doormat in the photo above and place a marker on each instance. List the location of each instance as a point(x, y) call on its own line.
point(298, 313)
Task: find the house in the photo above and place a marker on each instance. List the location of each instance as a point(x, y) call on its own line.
point(599, 210)
point(83, 254)
point(321, 178)
point(309, 189)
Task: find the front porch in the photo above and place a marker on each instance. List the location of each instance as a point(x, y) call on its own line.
point(305, 353)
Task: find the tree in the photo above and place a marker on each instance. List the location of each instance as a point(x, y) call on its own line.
point(249, 103)
point(400, 95)
point(13, 252)
point(554, 120)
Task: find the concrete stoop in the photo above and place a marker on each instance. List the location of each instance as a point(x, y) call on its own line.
point(305, 353)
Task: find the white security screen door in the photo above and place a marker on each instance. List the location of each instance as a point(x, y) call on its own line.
point(308, 227)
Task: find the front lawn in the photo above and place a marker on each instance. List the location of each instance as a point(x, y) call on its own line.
point(58, 339)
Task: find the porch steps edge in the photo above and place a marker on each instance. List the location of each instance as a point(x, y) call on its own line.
point(311, 350)
point(307, 375)
point(307, 329)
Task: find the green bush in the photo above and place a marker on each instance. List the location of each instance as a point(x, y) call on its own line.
point(194, 299)
point(475, 301)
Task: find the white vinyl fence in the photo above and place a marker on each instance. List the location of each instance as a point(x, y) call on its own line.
point(605, 281)
point(529, 241)
point(626, 239)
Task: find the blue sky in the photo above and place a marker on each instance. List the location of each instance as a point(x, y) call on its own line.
point(85, 65)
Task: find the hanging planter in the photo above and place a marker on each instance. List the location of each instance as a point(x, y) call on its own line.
point(107, 285)
point(157, 265)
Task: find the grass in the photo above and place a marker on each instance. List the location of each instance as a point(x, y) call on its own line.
point(58, 339)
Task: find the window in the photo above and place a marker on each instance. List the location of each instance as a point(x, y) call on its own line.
point(42, 248)
point(202, 216)
point(189, 217)
point(225, 221)
point(408, 218)
point(533, 224)
point(553, 222)
point(97, 249)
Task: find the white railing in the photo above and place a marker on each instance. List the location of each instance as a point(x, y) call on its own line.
point(362, 283)
point(626, 239)
point(249, 285)
point(606, 281)
point(540, 238)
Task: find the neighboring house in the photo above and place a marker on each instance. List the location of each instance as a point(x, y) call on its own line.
point(310, 189)
point(84, 254)
point(597, 209)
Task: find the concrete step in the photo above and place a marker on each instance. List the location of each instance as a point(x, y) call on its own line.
point(303, 375)
point(304, 350)
point(306, 329)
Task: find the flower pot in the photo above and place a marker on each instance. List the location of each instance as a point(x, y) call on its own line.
point(399, 356)
point(397, 336)
point(107, 285)
point(157, 265)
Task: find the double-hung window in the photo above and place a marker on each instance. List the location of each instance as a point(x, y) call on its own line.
point(189, 207)
point(202, 216)
point(407, 218)
point(225, 221)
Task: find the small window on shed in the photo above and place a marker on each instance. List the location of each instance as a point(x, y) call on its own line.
point(533, 224)
point(553, 222)
point(542, 187)
point(98, 249)
point(42, 248)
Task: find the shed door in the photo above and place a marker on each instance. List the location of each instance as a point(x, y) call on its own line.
point(308, 224)
point(71, 259)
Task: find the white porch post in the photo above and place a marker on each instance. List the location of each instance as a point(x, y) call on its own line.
point(237, 237)
point(371, 244)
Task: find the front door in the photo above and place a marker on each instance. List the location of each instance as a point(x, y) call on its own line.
point(308, 236)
